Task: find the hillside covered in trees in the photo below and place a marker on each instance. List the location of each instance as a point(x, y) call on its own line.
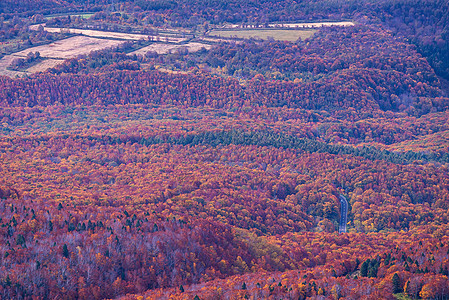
point(179, 164)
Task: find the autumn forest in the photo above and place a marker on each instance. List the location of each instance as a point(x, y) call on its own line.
point(174, 149)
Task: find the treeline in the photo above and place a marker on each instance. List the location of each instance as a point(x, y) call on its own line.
point(282, 140)
point(348, 90)
point(236, 11)
point(391, 131)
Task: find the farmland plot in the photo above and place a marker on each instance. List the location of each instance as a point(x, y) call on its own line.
point(160, 48)
point(114, 35)
point(55, 53)
point(71, 47)
point(277, 34)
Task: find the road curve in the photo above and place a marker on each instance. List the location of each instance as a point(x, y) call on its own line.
point(343, 214)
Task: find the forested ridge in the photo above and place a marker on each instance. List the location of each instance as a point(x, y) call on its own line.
point(217, 172)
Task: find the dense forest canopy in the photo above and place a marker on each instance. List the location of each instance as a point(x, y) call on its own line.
point(212, 150)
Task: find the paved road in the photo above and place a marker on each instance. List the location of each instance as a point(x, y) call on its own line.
point(344, 214)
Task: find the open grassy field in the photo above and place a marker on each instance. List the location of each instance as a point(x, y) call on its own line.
point(82, 15)
point(113, 35)
point(71, 47)
point(214, 40)
point(55, 53)
point(160, 48)
point(277, 34)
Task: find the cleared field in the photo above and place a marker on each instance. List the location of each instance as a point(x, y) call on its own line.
point(166, 48)
point(44, 65)
point(84, 16)
point(170, 71)
point(55, 53)
point(212, 39)
point(71, 47)
point(277, 34)
point(112, 35)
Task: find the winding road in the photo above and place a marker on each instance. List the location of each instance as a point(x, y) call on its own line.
point(344, 214)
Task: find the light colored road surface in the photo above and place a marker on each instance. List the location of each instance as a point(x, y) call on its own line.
point(344, 214)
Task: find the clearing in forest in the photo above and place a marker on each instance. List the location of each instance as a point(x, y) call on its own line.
point(277, 34)
point(160, 48)
point(113, 35)
point(81, 15)
point(54, 53)
point(71, 47)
